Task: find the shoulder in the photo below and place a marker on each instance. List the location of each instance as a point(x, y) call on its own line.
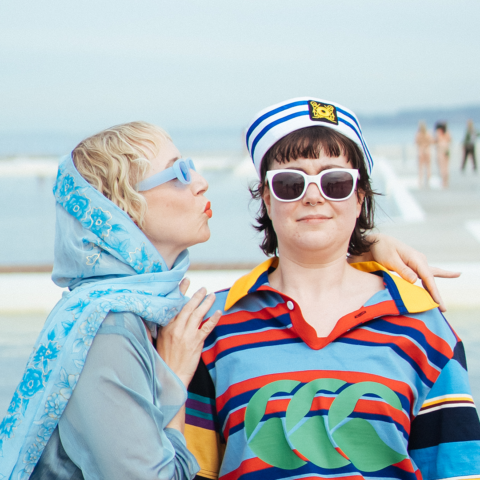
point(249, 302)
point(120, 343)
point(436, 324)
point(127, 324)
point(219, 303)
point(430, 331)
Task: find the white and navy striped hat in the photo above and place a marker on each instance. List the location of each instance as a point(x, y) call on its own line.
point(277, 121)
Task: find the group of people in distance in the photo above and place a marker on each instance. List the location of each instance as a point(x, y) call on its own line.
point(442, 141)
point(319, 363)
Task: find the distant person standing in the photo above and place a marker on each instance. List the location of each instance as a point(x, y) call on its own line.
point(424, 141)
point(442, 141)
point(469, 145)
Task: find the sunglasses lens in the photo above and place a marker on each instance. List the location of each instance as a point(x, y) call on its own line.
point(184, 171)
point(337, 185)
point(288, 185)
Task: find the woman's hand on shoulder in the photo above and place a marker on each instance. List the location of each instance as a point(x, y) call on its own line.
point(409, 263)
point(180, 342)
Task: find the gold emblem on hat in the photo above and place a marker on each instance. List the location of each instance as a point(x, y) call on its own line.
point(321, 111)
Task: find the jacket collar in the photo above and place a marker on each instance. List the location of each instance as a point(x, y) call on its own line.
point(408, 298)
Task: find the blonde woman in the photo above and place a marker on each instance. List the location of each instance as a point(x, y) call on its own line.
point(116, 413)
point(97, 401)
point(424, 142)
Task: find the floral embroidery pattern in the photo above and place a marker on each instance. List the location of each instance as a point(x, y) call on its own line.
point(32, 382)
point(109, 238)
point(77, 205)
point(139, 260)
point(45, 353)
point(91, 259)
point(100, 225)
point(9, 423)
point(67, 186)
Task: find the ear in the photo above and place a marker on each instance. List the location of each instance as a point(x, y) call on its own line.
point(267, 198)
point(360, 199)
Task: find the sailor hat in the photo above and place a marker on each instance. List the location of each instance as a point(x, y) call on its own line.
point(277, 121)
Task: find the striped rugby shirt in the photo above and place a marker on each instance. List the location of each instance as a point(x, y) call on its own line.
point(385, 395)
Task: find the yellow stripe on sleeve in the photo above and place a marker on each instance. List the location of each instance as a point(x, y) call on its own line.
point(206, 447)
point(448, 398)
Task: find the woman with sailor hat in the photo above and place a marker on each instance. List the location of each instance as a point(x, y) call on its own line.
point(321, 368)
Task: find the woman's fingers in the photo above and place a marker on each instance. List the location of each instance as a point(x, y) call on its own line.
point(184, 284)
point(429, 284)
point(191, 305)
point(394, 255)
point(432, 289)
point(197, 316)
point(418, 264)
point(409, 264)
point(427, 274)
point(180, 342)
point(210, 324)
point(398, 265)
point(441, 273)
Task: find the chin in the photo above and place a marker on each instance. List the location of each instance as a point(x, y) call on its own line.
point(315, 242)
point(204, 236)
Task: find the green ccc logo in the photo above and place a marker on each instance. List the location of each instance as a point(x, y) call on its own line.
point(312, 436)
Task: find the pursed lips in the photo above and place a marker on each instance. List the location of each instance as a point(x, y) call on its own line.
point(208, 210)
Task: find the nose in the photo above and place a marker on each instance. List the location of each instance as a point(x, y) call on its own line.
point(198, 185)
point(313, 195)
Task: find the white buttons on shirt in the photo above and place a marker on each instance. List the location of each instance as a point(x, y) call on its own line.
point(290, 305)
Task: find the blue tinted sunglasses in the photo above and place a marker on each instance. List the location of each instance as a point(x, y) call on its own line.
point(180, 170)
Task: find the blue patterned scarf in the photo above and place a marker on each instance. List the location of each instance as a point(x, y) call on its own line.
point(110, 266)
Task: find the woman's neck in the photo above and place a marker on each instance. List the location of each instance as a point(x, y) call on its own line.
point(168, 253)
point(299, 280)
point(325, 291)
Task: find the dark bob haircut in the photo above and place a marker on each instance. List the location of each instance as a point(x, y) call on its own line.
point(441, 126)
point(308, 143)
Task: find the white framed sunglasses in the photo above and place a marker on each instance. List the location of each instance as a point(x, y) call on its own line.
point(335, 184)
point(180, 170)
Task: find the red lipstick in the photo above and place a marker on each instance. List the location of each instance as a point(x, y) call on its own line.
point(208, 210)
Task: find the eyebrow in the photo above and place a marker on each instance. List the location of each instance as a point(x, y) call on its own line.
point(171, 162)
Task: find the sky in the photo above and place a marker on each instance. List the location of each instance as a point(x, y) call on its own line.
point(87, 64)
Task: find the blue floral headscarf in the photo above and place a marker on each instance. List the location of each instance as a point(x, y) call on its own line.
point(109, 266)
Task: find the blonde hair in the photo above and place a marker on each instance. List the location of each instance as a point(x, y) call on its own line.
point(422, 127)
point(115, 160)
